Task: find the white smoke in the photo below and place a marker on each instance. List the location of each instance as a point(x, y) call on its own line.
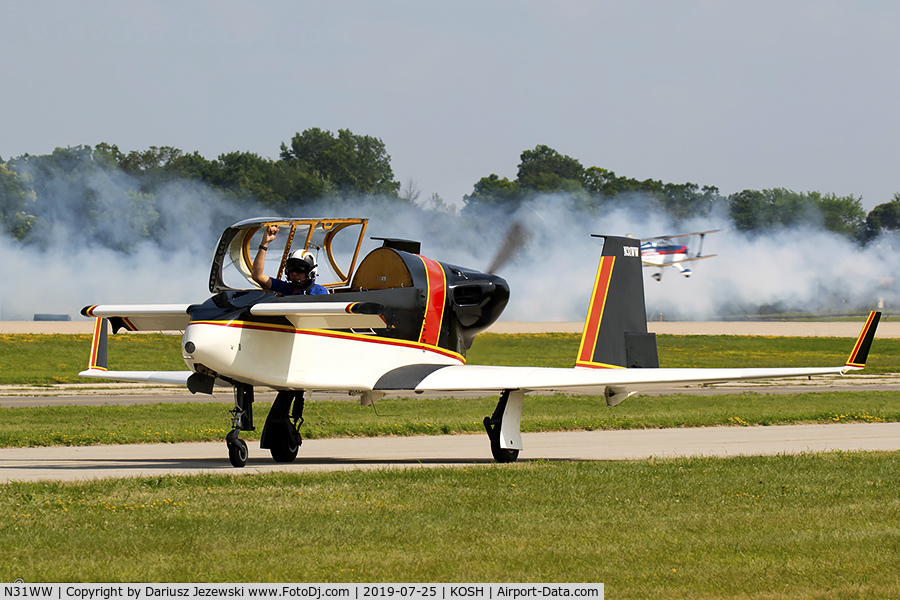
point(551, 277)
point(73, 266)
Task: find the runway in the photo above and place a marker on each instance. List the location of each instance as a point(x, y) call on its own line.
point(143, 460)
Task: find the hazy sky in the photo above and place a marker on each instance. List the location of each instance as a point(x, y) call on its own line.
point(797, 94)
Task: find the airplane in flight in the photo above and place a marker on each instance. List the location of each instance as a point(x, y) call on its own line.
point(660, 252)
point(398, 322)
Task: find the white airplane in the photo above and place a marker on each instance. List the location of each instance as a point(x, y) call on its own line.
point(399, 323)
point(663, 252)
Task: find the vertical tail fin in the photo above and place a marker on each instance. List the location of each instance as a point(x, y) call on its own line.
point(98, 345)
point(860, 353)
point(615, 329)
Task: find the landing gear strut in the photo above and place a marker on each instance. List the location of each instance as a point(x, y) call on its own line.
point(241, 420)
point(280, 433)
point(503, 427)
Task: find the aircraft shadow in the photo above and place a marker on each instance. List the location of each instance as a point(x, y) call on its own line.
point(137, 466)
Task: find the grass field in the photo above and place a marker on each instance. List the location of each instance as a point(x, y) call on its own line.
point(808, 526)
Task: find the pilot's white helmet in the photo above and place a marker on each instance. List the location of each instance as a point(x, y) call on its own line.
point(303, 260)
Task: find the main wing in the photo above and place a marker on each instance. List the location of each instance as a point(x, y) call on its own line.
point(615, 384)
point(142, 317)
point(681, 235)
point(325, 315)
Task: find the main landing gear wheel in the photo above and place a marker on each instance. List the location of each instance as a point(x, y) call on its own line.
point(280, 433)
point(501, 455)
point(505, 422)
point(286, 450)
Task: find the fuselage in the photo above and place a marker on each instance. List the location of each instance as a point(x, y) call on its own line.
point(662, 255)
point(431, 313)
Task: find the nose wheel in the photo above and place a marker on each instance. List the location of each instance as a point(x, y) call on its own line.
point(241, 420)
point(237, 450)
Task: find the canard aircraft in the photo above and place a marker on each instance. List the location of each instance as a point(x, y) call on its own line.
point(663, 252)
point(399, 322)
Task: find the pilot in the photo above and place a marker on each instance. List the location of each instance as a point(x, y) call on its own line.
point(299, 270)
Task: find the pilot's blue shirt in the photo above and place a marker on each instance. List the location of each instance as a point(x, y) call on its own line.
point(286, 289)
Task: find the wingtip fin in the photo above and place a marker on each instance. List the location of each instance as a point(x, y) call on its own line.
point(860, 353)
point(98, 360)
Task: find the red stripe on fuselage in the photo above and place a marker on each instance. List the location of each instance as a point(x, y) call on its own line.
point(436, 299)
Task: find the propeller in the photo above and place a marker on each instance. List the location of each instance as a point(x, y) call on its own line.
point(516, 237)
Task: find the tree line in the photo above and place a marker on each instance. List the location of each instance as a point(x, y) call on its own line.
point(77, 184)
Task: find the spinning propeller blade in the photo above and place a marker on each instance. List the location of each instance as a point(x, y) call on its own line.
point(516, 237)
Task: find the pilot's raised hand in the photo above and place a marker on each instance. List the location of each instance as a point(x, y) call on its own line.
point(269, 234)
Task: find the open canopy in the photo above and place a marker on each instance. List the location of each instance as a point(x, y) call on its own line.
point(335, 243)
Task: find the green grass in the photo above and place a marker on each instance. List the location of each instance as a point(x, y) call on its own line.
point(209, 421)
point(49, 359)
point(808, 526)
point(58, 358)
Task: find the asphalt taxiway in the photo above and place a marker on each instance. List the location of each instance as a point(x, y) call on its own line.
point(143, 460)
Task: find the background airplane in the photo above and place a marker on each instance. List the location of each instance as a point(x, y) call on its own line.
point(398, 323)
point(664, 252)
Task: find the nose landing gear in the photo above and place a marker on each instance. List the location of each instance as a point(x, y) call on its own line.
point(241, 420)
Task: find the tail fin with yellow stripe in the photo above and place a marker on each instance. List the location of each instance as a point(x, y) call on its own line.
point(857, 358)
point(615, 329)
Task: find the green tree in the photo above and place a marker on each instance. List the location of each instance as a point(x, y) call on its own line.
point(16, 204)
point(841, 214)
point(883, 218)
point(351, 164)
point(494, 191)
point(541, 170)
point(274, 184)
point(60, 182)
point(601, 182)
point(754, 210)
point(157, 165)
point(546, 170)
point(687, 200)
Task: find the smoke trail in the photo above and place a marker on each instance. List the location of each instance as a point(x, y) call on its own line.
point(550, 276)
point(79, 259)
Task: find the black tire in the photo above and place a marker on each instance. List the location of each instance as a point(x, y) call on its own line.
point(286, 448)
point(503, 455)
point(238, 453)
